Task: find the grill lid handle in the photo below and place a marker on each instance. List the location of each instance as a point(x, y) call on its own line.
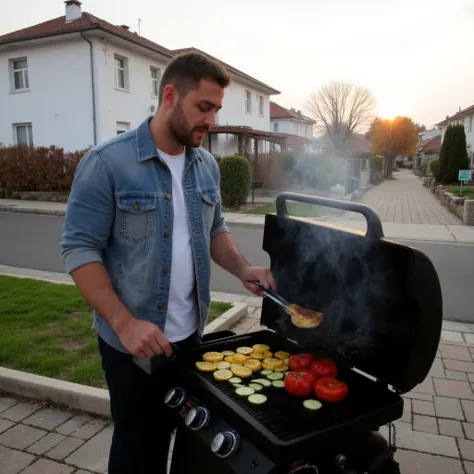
point(374, 225)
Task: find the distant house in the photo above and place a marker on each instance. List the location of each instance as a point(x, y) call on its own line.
point(297, 127)
point(463, 117)
point(77, 80)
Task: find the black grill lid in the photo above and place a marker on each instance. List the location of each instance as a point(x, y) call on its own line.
point(381, 300)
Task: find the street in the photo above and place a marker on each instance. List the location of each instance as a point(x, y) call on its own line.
point(32, 241)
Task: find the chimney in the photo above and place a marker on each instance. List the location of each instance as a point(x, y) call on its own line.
point(125, 27)
point(73, 10)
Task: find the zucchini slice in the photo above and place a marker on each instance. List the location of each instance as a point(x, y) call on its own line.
point(312, 405)
point(256, 386)
point(257, 399)
point(235, 380)
point(264, 382)
point(278, 384)
point(244, 391)
point(266, 372)
point(275, 376)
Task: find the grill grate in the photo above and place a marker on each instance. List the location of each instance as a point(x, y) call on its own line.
point(284, 415)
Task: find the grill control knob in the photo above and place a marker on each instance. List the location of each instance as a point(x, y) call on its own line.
point(225, 444)
point(175, 397)
point(197, 418)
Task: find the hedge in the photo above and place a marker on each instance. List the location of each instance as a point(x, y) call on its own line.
point(236, 180)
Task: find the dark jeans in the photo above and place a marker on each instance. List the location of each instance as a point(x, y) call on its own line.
point(142, 422)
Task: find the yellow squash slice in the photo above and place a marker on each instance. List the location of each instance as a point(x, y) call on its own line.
point(206, 366)
point(244, 350)
point(223, 365)
point(282, 355)
point(213, 356)
point(222, 375)
point(242, 372)
point(253, 365)
point(261, 348)
point(228, 353)
point(240, 358)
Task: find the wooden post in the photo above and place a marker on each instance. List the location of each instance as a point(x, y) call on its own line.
point(255, 150)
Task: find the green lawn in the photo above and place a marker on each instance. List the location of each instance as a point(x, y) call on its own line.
point(467, 191)
point(297, 209)
point(45, 329)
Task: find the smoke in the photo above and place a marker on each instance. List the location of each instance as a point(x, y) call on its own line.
point(357, 282)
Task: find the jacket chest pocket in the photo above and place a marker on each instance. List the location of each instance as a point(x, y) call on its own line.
point(137, 217)
point(209, 198)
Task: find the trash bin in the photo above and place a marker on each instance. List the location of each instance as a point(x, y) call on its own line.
point(353, 184)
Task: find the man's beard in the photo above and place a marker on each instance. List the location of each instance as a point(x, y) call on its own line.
point(181, 130)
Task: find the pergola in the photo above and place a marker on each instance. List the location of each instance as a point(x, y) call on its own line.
point(244, 134)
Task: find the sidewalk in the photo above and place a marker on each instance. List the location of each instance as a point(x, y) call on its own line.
point(434, 436)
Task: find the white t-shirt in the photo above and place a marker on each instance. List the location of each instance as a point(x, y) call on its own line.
point(182, 317)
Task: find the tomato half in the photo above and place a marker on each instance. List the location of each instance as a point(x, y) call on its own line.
point(300, 383)
point(300, 361)
point(330, 389)
point(324, 368)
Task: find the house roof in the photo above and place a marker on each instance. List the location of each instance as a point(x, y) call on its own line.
point(227, 66)
point(296, 140)
point(430, 145)
point(86, 22)
point(249, 132)
point(461, 113)
point(277, 112)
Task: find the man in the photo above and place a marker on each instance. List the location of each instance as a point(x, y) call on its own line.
point(143, 221)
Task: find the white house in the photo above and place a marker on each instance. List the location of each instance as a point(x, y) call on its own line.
point(78, 80)
point(297, 127)
point(462, 117)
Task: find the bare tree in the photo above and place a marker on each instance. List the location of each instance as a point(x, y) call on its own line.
point(341, 109)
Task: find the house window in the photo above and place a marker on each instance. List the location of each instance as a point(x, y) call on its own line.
point(260, 105)
point(20, 80)
point(469, 123)
point(248, 102)
point(121, 76)
point(23, 133)
point(275, 127)
point(155, 81)
point(122, 127)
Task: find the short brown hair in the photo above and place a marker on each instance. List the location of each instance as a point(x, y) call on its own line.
point(186, 71)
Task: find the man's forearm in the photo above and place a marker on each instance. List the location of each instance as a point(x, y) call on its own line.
point(225, 253)
point(94, 284)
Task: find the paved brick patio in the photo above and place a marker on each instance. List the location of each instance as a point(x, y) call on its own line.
point(404, 200)
point(435, 434)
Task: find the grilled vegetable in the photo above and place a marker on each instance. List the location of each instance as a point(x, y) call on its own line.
point(304, 318)
point(281, 355)
point(324, 368)
point(257, 399)
point(213, 357)
point(222, 375)
point(330, 389)
point(244, 391)
point(234, 364)
point(240, 358)
point(300, 361)
point(312, 405)
point(272, 362)
point(260, 348)
point(281, 368)
point(256, 386)
point(223, 365)
point(278, 384)
point(244, 350)
point(206, 366)
point(266, 372)
point(300, 384)
point(242, 372)
point(264, 382)
point(257, 355)
point(235, 380)
point(267, 354)
point(229, 359)
point(253, 365)
point(227, 353)
point(275, 376)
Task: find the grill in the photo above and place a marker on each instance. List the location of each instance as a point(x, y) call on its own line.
point(383, 313)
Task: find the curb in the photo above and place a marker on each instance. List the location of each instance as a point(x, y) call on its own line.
point(31, 210)
point(229, 318)
point(75, 396)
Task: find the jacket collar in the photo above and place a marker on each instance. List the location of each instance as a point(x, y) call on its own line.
point(146, 148)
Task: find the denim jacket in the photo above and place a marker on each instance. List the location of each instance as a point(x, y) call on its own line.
point(120, 213)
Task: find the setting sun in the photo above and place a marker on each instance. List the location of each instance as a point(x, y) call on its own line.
point(390, 110)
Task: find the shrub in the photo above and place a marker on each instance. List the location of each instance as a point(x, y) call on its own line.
point(236, 179)
point(435, 169)
point(453, 155)
point(44, 169)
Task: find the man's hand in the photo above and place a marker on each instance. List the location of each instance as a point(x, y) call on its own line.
point(143, 339)
point(261, 274)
